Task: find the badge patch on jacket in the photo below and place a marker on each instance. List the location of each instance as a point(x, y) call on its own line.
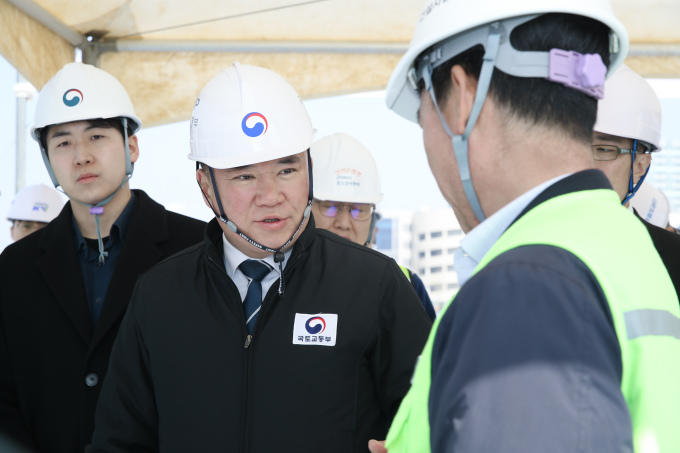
point(315, 330)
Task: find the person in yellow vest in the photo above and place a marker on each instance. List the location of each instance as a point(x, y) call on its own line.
point(346, 191)
point(550, 345)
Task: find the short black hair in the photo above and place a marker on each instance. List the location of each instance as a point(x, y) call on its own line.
point(107, 123)
point(534, 100)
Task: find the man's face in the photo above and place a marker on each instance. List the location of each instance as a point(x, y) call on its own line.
point(618, 170)
point(88, 161)
point(22, 228)
point(442, 160)
point(343, 224)
point(266, 201)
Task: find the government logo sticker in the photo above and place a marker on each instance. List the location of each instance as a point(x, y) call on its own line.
point(259, 124)
point(315, 330)
point(71, 98)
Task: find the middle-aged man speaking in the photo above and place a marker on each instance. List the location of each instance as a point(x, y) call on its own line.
point(272, 335)
point(550, 345)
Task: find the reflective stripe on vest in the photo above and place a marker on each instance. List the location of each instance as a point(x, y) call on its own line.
point(597, 229)
point(655, 323)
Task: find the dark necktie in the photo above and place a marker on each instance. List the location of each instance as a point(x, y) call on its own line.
point(255, 271)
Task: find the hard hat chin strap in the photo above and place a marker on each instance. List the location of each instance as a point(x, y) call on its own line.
point(371, 228)
point(97, 209)
point(279, 256)
point(632, 187)
point(460, 142)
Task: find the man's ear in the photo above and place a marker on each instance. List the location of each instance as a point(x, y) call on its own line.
point(462, 95)
point(11, 232)
point(206, 186)
point(134, 148)
point(642, 162)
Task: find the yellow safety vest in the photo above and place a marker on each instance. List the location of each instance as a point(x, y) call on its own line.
point(644, 309)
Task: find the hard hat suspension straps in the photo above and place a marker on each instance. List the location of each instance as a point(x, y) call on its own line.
point(97, 209)
point(460, 142)
point(371, 228)
point(632, 187)
point(279, 256)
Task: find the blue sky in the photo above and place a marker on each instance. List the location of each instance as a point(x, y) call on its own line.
point(165, 173)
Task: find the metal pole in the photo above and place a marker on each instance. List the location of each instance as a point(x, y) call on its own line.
point(24, 92)
point(20, 180)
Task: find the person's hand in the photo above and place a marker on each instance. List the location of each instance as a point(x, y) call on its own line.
point(377, 446)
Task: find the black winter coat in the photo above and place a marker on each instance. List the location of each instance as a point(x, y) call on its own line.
point(667, 244)
point(47, 344)
point(184, 378)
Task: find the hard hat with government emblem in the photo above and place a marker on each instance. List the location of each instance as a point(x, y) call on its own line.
point(81, 92)
point(344, 170)
point(246, 115)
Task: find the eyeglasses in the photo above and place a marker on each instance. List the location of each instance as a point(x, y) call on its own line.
point(358, 211)
point(28, 224)
point(611, 152)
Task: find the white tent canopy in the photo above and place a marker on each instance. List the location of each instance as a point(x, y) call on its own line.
point(164, 51)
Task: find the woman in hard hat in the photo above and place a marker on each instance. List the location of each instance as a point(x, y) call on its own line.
point(346, 191)
point(272, 335)
point(32, 209)
point(563, 335)
point(626, 133)
point(65, 288)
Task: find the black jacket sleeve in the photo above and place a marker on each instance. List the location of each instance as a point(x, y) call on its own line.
point(527, 359)
point(403, 330)
point(126, 411)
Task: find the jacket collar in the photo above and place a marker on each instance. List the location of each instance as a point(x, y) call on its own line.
point(60, 269)
point(213, 241)
point(583, 180)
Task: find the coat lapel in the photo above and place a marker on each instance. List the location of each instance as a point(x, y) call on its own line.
point(148, 227)
point(60, 268)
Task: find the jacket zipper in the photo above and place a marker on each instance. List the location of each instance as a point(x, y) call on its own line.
point(249, 340)
point(246, 387)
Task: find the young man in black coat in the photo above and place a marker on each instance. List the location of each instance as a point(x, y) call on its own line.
point(627, 131)
point(64, 289)
point(272, 335)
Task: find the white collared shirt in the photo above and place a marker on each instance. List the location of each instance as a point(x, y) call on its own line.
point(480, 239)
point(233, 259)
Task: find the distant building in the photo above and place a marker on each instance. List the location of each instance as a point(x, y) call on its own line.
point(425, 242)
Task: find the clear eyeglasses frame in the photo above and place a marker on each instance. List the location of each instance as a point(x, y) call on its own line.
point(605, 153)
point(358, 211)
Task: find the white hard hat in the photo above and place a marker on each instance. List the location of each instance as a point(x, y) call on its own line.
point(37, 203)
point(247, 115)
point(465, 21)
point(81, 92)
point(630, 109)
point(344, 170)
point(652, 205)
